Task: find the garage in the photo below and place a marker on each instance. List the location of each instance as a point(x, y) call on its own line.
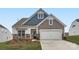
point(50, 34)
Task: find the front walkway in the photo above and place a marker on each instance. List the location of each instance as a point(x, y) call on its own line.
point(58, 45)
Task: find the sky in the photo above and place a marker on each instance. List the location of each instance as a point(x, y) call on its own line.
point(9, 16)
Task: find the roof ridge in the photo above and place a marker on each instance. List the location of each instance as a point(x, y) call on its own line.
point(40, 9)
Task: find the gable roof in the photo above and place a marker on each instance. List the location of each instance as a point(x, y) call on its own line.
point(20, 22)
point(33, 20)
point(2, 26)
point(74, 23)
point(54, 19)
point(58, 20)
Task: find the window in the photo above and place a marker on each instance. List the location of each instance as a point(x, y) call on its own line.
point(50, 22)
point(40, 15)
point(21, 33)
point(73, 26)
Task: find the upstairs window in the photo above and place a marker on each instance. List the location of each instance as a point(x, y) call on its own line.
point(21, 33)
point(40, 15)
point(50, 22)
point(73, 26)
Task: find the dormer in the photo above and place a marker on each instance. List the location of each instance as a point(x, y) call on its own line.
point(40, 15)
point(36, 18)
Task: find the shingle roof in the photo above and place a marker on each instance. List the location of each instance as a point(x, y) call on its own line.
point(33, 20)
point(20, 22)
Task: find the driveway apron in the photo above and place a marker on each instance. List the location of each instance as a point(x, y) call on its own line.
point(58, 45)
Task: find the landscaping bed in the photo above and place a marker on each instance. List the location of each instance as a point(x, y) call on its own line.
point(20, 45)
point(74, 39)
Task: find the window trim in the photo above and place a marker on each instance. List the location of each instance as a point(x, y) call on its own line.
point(21, 33)
point(40, 15)
point(50, 22)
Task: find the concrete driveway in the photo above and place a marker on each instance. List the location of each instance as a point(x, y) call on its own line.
point(58, 45)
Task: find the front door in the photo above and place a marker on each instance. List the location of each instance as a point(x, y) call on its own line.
point(33, 33)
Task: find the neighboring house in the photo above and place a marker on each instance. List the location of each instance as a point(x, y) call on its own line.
point(74, 28)
point(40, 25)
point(66, 34)
point(5, 34)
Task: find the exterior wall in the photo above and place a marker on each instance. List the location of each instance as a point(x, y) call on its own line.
point(51, 34)
point(44, 25)
point(5, 35)
point(74, 30)
point(14, 31)
point(56, 25)
point(66, 34)
point(27, 33)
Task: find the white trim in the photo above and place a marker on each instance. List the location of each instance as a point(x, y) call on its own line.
point(37, 30)
point(50, 20)
point(40, 15)
point(25, 21)
point(14, 31)
point(27, 31)
point(58, 20)
point(30, 34)
point(55, 30)
point(27, 27)
point(29, 18)
point(41, 22)
point(52, 17)
point(33, 15)
point(22, 33)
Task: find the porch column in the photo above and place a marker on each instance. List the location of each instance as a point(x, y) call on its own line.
point(30, 34)
point(25, 33)
point(37, 30)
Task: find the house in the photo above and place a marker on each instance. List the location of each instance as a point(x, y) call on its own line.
point(40, 25)
point(74, 28)
point(66, 34)
point(5, 34)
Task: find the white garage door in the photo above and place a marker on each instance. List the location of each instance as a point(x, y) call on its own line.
point(50, 34)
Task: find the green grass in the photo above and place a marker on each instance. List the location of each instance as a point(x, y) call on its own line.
point(74, 39)
point(20, 45)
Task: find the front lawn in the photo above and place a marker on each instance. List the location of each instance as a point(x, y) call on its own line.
point(20, 45)
point(74, 39)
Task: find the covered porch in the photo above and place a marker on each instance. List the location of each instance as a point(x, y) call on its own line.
point(27, 33)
